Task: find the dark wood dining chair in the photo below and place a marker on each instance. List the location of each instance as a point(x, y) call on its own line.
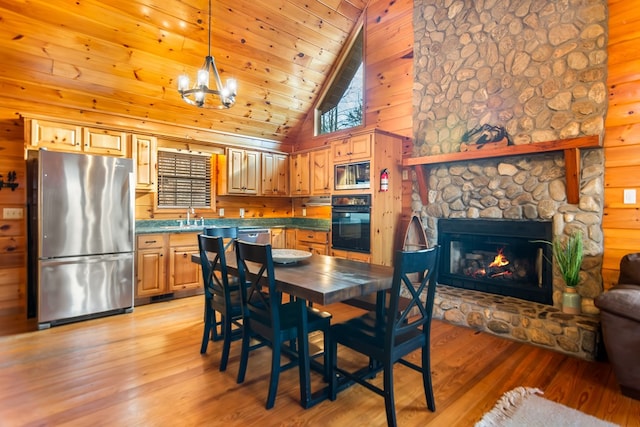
point(229, 235)
point(388, 339)
point(269, 320)
point(221, 294)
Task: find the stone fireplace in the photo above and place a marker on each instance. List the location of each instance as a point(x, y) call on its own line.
point(538, 69)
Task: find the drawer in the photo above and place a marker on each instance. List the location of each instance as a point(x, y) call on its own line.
point(183, 239)
point(312, 236)
point(149, 241)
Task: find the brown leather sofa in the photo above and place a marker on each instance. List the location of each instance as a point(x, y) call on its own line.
point(620, 317)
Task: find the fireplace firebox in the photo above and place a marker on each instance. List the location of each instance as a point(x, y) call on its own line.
point(501, 257)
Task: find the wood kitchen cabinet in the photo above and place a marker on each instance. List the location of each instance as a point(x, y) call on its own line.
point(300, 174)
point(383, 151)
point(313, 241)
point(278, 238)
point(51, 135)
point(239, 172)
point(290, 238)
point(183, 273)
point(275, 174)
point(321, 172)
point(73, 138)
point(352, 147)
point(105, 142)
point(145, 153)
point(150, 265)
point(356, 256)
point(164, 266)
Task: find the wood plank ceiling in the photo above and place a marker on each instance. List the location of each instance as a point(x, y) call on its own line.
point(123, 57)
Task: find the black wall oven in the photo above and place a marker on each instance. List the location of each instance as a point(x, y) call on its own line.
point(351, 223)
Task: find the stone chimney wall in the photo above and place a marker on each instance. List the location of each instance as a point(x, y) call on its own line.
point(536, 68)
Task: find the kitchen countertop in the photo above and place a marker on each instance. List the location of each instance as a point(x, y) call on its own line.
point(172, 226)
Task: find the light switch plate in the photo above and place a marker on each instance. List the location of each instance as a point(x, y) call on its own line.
point(629, 196)
point(241, 213)
point(12, 213)
point(221, 212)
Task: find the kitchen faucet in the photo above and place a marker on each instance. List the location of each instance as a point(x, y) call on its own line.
point(190, 211)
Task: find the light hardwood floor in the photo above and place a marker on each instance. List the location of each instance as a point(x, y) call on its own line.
point(145, 369)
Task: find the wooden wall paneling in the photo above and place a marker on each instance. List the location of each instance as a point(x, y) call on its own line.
point(621, 222)
point(388, 74)
point(13, 232)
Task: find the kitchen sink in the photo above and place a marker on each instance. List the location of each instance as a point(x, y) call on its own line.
point(181, 227)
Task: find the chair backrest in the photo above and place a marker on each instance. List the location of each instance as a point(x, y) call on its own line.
point(214, 266)
point(229, 234)
point(260, 298)
point(418, 312)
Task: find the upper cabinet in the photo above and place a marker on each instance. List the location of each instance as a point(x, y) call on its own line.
point(145, 153)
point(321, 168)
point(66, 137)
point(350, 148)
point(239, 172)
point(103, 141)
point(300, 182)
point(275, 174)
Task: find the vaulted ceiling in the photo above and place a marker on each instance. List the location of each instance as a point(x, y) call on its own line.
point(123, 57)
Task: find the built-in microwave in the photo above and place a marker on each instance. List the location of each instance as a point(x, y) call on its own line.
point(350, 176)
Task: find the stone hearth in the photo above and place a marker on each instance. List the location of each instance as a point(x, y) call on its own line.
point(538, 324)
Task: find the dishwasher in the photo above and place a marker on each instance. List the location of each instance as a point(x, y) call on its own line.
point(254, 235)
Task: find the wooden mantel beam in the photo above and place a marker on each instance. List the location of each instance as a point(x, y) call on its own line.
point(571, 148)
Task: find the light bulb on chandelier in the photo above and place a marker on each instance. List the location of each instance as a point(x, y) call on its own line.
point(200, 94)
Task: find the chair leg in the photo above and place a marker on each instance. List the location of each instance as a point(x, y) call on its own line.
point(275, 374)
point(244, 354)
point(389, 402)
point(327, 369)
point(209, 322)
point(215, 336)
point(333, 374)
point(226, 325)
point(426, 379)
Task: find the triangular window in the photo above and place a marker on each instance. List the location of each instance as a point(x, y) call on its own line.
point(341, 107)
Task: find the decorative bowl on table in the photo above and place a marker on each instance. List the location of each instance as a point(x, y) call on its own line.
point(288, 256)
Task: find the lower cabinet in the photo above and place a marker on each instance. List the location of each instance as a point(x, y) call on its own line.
point(183, 273)
point(313, 241)
point(278, 238)
point(164, 266)
point(356, 256)
point(150, 266)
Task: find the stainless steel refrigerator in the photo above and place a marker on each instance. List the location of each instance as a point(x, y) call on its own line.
point(81, 234)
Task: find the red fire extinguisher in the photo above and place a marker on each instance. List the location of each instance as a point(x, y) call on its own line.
point(384, 180)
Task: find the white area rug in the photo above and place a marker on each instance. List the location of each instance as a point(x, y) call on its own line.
point(523, 407)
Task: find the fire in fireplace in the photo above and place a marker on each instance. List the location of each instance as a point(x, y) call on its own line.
point(497, 256)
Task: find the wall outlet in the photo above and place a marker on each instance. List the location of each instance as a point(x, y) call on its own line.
point(12, 213)
point(629, 196)
point(221, 212)
point(304, 211)
point(241, 213)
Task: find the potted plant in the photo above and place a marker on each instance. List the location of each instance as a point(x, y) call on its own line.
point(568, 254)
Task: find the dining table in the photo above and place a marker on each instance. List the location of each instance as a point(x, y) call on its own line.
point(323, 279)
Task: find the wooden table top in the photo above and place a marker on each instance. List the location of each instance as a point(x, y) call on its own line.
point(324, 279)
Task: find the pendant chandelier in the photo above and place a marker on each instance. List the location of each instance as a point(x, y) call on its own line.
point(201, 94)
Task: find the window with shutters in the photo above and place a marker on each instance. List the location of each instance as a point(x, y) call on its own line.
point(184, 180)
